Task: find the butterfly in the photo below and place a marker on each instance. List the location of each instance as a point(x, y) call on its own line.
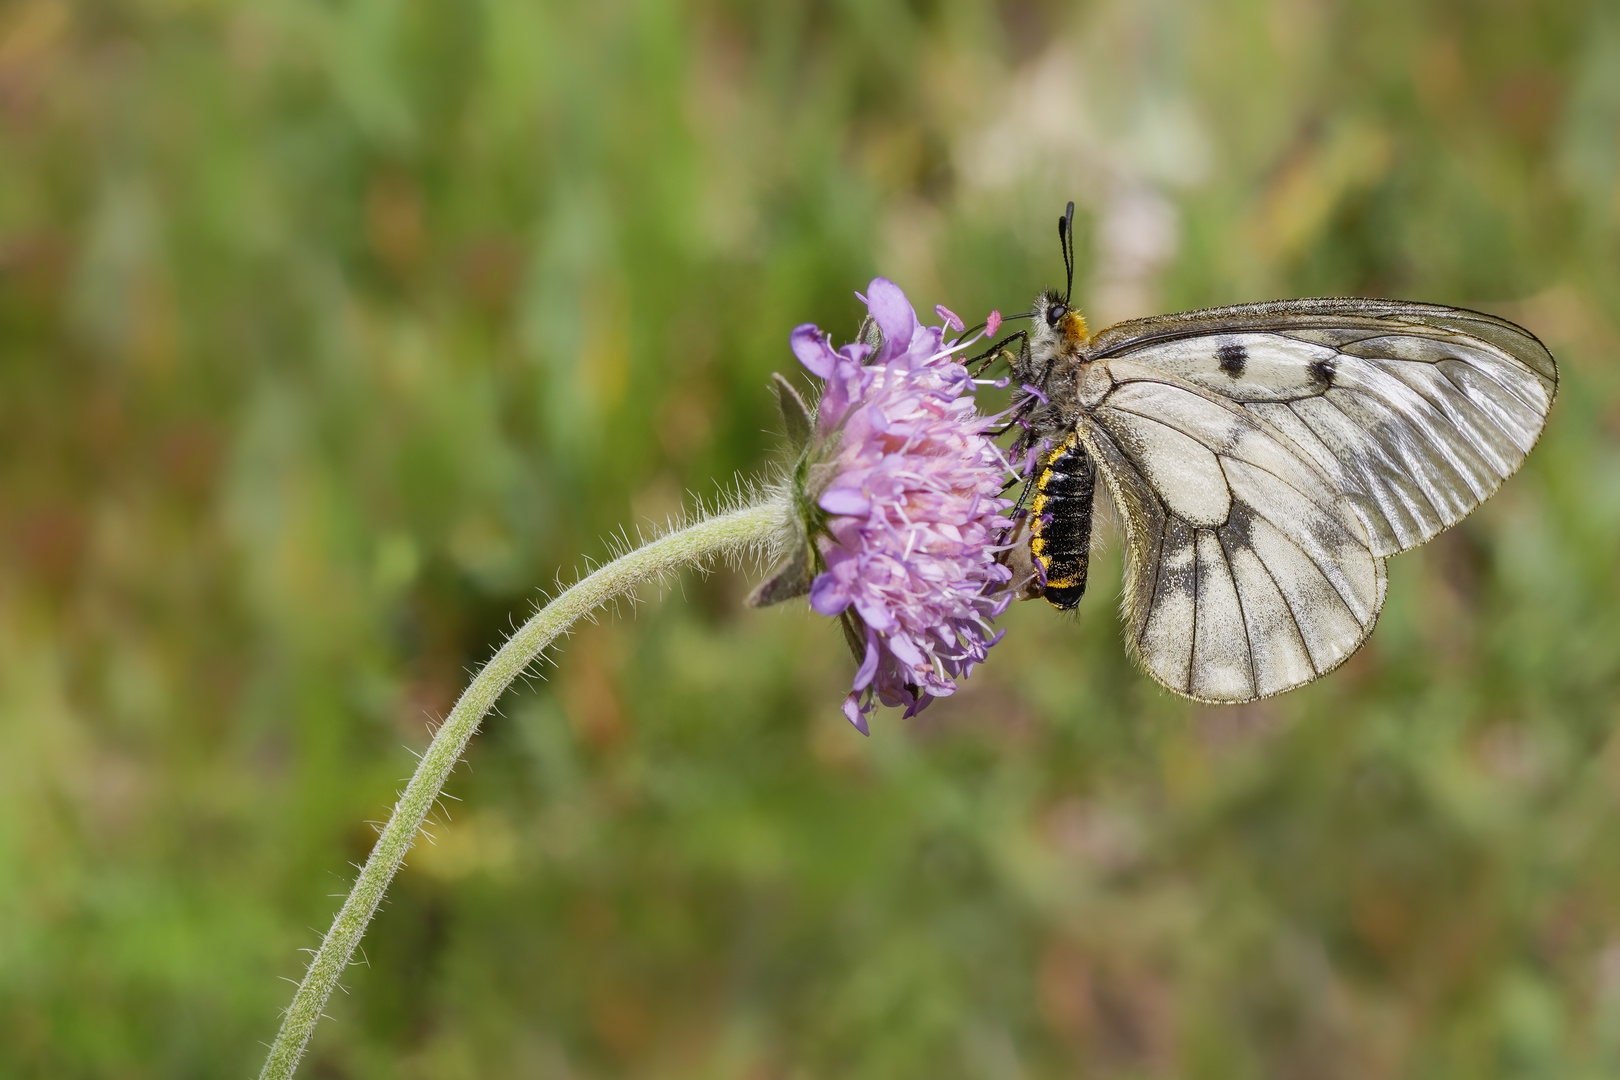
point(1265, 460)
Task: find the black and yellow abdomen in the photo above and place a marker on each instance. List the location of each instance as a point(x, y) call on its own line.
point(1060, 526)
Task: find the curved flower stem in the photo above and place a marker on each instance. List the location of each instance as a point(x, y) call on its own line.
point(724, 534)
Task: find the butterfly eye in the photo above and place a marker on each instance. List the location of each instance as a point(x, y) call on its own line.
point(1055, 313)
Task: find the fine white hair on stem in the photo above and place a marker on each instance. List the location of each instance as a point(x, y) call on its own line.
point(739, 529)
point(742, 493)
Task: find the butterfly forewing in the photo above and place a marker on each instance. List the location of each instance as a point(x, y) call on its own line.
point(1267, 457)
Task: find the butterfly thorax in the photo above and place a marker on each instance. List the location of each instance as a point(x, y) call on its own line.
point(1049, 368)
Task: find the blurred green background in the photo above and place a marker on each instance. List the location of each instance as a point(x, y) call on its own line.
point(333, 331)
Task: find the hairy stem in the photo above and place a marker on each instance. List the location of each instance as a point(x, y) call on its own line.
point(725, 535)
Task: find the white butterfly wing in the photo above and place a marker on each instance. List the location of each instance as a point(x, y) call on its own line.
point(1267, 457)
point(1247, 574)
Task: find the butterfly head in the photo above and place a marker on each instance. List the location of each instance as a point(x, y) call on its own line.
point(1055, 330)
point(1062, 321)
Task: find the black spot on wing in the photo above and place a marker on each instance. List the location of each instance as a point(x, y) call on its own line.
point(1239, 527)
point(1323, 371)
point(1232, 358)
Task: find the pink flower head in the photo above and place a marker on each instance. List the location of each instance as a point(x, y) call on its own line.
point(912, 507)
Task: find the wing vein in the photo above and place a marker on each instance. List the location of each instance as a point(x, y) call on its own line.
point(1394, 466)
point(1507, 387)
point(1453, 415)
point(1288, 606)
point(1493, 409)
point(1221, 455)
point(1192, 651)
point(1153, 593)
point(1320, 568)
point(1243, 610)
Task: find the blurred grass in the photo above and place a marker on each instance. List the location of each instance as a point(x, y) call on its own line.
point(331, 331)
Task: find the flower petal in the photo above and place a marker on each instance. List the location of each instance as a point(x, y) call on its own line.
point(923, 701)
point(827, 596)
point(854, 714)
point(812, 350)
point(903, 647)
point(892, 312)
point(875, 614)
point(868, 668)
point(845, 500)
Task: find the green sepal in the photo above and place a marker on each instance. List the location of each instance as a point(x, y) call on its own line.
point(790, 578)
point(854, 634)
point(796, 416)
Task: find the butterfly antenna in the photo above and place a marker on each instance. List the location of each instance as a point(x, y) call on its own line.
point(1066, 241)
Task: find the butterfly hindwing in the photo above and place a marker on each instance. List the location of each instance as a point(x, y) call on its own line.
point(1246, 575)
